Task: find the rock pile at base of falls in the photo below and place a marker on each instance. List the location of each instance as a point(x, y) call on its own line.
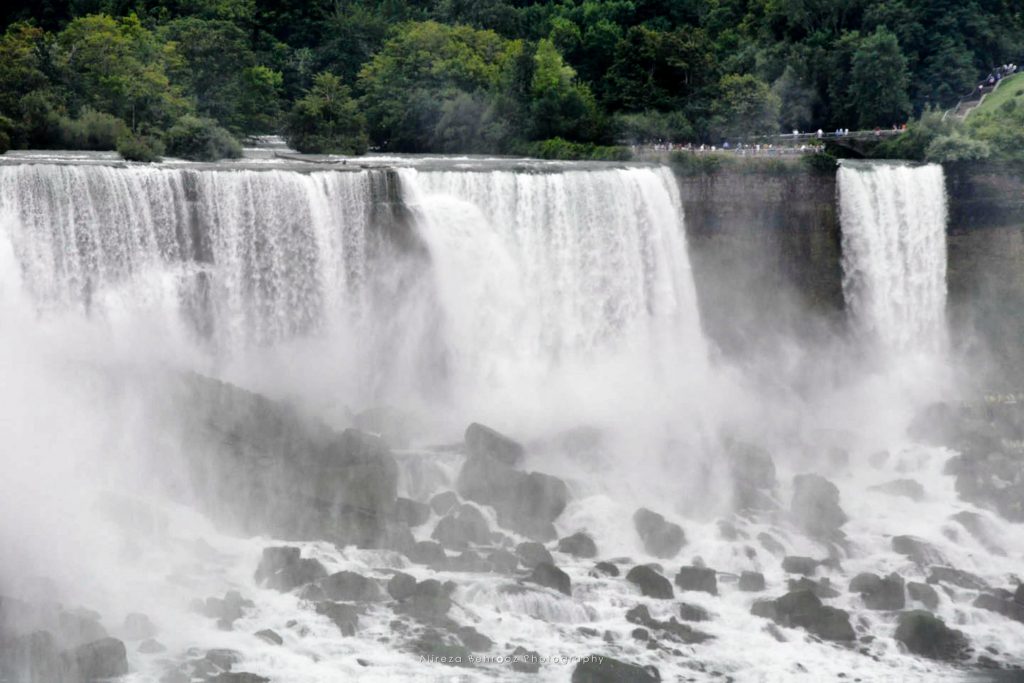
point(661, 538)
point(803, 609)
point(260, 467)
point(989, 435)
point(525, 502)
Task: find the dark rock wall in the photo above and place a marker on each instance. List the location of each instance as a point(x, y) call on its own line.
point(766, 252)
point(986, 268)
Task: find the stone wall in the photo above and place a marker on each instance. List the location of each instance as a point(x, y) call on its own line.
point(765, 249)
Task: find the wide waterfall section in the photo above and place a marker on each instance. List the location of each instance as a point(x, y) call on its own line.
point(562, 292)
point(894, 253)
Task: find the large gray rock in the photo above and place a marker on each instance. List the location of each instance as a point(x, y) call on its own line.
point(917, 549)
point(461, 528)
point(579, 544)
point(927, 635)
point(672, 628)
point(697, 579)
point(482, 441)
point(106, 658)
point(526, 503)
point(345, 617)
point(1002, 602)
point(651, 583)
point(551, 576)
point(662, 539)
point(282, 568)
point(815, 506)
point(924, 594)
point(880, 593)
point(260, 467)
point(803, 609)
point(350, 587)
point(600, 669)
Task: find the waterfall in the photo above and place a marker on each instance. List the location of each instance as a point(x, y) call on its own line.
point(548, 280)
point(416, 287)
point(894, 253)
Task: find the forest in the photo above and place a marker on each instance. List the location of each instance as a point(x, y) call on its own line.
point(564, 78)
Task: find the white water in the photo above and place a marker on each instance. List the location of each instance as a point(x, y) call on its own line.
point(894, 253)
point(545, 300)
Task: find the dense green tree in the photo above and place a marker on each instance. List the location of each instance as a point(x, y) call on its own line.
point(327, 120)
point(200, 139)
point(745, 106)
point(119, 67)
point(879, 81)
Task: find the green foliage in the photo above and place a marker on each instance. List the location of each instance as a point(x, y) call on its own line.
point(119, 67)
point(957, 147)
point(745, 106)
point(913, 144)
point(492, 75)
point(199, 139)
point(144, 148)
point(92, 130)
point(327, 120)
point(822, 162)
point(557, 148)
point(6, 128)
point(879, 81)
point(651, 126)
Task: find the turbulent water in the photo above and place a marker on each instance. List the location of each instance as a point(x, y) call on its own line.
point(554, 302)
point(894, 253)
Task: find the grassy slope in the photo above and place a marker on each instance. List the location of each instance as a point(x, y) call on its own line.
point(1006, 91)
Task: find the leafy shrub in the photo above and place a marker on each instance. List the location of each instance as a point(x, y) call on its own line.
point(913, 144)
point(92, 130)
point(6, 128)
point(957, 147)
point(200, 139)
point(687, 163)
point(557, 148)
point(326, 120)
point(821, 162)
point(133, 147)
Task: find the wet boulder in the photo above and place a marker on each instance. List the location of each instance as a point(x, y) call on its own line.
point(350, 587)
point(270, 637)
point(688, 612)
point(672, 629)
point(525, 661)
point(526, 503)
point(345, 617)
point(651, 583)
point(579, 544)
point(138, 627)
point(1002, 602)
point(795, 564)
point(238, 677)
point(532, 553)
point(429, 553)
point(924, 594)
point(880, 593)
point(401, 586)
point(549, 575)
point(815, 506)
point(482, 441)
point(821, 588)
point(462, 527)
point(751, 582)
point(957, 577)
point(661, 538)
point(429, 602)
point(925, 634)
point(920, 551)
point(443, 502)
point(502, 561)
point(604, 569)
point(693, 578)
point(439, 648)
point(803, 609)
point(600, 669)
point(283, 569)
point(102, 659)
point(266, 469)
point(473, 639)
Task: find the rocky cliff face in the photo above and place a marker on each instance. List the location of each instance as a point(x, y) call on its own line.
point(767, 256)
point(986, 266)
point(766, 253)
